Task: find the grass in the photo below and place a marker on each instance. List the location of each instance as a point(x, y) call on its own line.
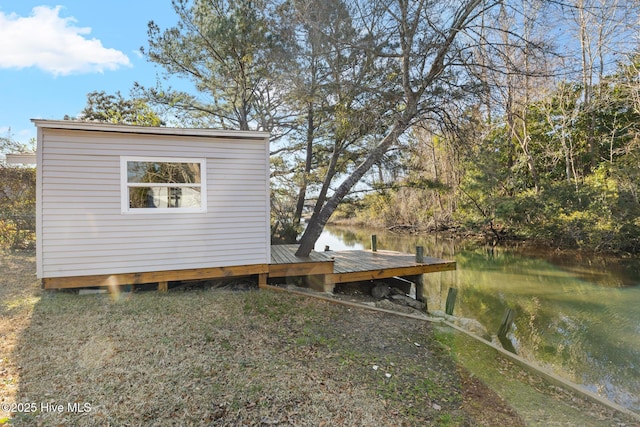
point(18, 296)
point(227, 358)
point(541, 403)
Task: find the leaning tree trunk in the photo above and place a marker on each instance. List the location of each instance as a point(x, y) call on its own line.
point(319, 220)
point(411, 96)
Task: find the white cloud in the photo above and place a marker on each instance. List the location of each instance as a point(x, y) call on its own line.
point(53, 44)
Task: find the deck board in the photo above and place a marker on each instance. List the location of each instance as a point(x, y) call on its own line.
point(352, 265)
point(284, 262)
point(285, 254)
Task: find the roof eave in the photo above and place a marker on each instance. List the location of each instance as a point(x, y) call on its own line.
point(108, 127)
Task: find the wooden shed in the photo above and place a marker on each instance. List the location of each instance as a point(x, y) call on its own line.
point(120, 204)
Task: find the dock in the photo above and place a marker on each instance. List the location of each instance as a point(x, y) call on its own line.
point(324, 269)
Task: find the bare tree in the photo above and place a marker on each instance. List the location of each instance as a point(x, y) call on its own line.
point(601, 30)
point(422, 43)
point(514, 62)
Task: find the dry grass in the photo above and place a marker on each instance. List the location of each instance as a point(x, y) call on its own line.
point(18, 295)
point(226, 358)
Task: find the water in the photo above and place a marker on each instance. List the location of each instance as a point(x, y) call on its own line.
point(576, 315)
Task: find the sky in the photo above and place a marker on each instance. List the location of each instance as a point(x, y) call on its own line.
point(52, 54)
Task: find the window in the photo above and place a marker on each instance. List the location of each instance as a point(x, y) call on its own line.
point(163, 185)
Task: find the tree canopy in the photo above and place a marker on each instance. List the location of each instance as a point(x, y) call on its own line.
point(116, 109)
point(228, 50)
point(484, 108)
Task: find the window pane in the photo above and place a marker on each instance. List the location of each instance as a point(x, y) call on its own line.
point(163, 172)
point(164, 197)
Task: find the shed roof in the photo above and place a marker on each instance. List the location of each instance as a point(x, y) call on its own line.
point(108, 127)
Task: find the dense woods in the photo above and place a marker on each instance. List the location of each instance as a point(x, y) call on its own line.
point(514, 118)
point(553, 158)
point(574, 184)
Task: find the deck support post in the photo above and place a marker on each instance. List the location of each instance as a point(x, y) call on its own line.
point(262, 279)
point(163, 286)
point(418, 281)
point(320, 282)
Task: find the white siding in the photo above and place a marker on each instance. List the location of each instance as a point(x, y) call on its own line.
point(83, 232)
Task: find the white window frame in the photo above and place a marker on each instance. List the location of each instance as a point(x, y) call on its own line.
point(125, 185)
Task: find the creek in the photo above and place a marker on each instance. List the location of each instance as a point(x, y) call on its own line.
point(577, 315)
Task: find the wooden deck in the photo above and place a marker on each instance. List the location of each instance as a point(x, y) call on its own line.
point(355, 266)
point(285, 263)
point(331, 267)
point(322, 270)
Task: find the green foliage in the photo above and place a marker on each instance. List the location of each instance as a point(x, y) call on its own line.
point(413, 189)
point(284, 229)
point(349, 210)
point(377, 209)
point(118, 110)
point(404, 207)
point(600, 215)
point(229, 50)
point(587, 167)
point(577, 202)
point(9, 145)
point(17, 207)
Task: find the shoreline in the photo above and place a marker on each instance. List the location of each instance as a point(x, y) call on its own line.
point(485, 239)
point(532, 368)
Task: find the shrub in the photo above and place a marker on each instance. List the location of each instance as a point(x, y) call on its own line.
point(17, 207)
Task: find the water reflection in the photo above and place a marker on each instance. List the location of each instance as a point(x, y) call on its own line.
point(576, 315)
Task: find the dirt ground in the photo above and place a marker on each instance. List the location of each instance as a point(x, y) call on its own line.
point(256, 358)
